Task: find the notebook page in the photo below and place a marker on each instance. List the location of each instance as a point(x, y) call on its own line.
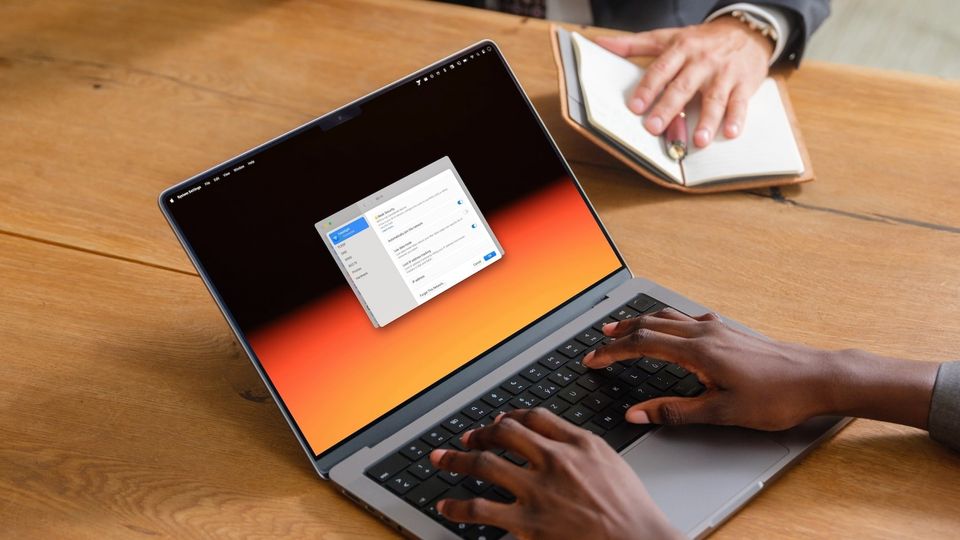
point(606, 82)
point(766, 145)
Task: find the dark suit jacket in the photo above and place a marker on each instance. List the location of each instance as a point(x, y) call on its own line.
point(640, 15)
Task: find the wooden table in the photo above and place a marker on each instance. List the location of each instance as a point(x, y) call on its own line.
point(129, 410)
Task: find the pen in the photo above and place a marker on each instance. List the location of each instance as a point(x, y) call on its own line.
point(675, 137)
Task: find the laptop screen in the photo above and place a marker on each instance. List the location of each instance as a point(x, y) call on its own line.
point(366, 261)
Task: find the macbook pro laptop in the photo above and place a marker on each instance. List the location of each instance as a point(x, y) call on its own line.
point(410, 265)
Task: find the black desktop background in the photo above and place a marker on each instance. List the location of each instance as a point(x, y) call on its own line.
point(253, 231)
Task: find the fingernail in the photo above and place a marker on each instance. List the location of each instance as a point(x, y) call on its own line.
point(466, 436)
point(588, 357)
point(655, 124)
point(437, 455)
point(702, 137)
point(441, 505)
point(637, 417)
point(610, 327)
point(733, 129)
point(636, 105)
point(499, 416)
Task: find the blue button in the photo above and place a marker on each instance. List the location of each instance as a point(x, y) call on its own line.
point(358, 225)
point(490, 255)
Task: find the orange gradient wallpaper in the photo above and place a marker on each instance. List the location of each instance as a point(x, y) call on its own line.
point(337, 373)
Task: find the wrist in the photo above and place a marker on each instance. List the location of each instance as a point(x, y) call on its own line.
point(862, 384)
point(757, 41)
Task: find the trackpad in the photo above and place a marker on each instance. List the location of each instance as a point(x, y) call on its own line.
point(693, 472)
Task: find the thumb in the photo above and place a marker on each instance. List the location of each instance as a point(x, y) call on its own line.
point(675, 411)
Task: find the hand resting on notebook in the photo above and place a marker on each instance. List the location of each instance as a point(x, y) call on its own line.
point(723, 59)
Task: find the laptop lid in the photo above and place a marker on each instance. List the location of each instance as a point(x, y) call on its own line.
point(368, 257)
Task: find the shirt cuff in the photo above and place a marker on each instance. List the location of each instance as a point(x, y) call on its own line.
point(772, 15)
point(944, 420)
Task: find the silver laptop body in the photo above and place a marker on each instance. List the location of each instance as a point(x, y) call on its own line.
point(698, 475)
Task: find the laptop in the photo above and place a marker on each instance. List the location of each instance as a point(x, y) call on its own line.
point(408, 266)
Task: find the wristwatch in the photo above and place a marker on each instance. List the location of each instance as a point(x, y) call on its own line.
point(756, 24)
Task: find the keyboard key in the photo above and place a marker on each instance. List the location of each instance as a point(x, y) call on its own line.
point(598, 326)
point(577, 366)
point(578, 414)
point(625, 433)
point(484, 532)
point(388, 467)
point(426, 492)
point(475, 485)
point(456, 423)
point(624, 313)
point(496, 398)
point(458, 492)
point(588, 338)
point(571, 349)
point(589, 381)
point(562, 377)
point(642, 303)
point(573, 393)
point(614, 389)
point(608, 419)
point(663, 380)
point(593, 428)
point(634, 376)
point(544, 390)
point(477, 410)
point(553, 361)
point(525, 400)
point(505, 408)
point(644, 392)
point(516, 459)
point(515, 385)
point(422, 469)
point(612, 370)
point(688, 386)
point(452, 478)
point(597, 401)
point(651, 365)
point(534, 373)
point(436, 436)
point(455, 443)
point(676, 370)
point(498, 495)
point(402, 483)
point(415, 450)
point(459, 529)
point(556, 405)
point(623, 404)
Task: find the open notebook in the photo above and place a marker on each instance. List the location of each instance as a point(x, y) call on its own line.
point(597, 83)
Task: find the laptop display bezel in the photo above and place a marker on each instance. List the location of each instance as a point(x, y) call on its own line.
point(386, 424)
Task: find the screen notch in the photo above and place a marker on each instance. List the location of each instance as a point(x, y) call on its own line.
point(338, 117)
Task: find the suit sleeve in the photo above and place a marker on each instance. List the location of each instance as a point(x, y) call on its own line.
point(944, 420)
point(807, 16)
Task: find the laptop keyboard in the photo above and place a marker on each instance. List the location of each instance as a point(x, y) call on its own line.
point(592, 399)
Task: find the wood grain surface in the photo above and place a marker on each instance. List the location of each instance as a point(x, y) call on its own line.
point(130, 411)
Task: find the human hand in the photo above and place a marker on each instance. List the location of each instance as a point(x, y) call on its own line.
point(723, 59)
point(763, 384)
point(575, 485)
point(751, 381)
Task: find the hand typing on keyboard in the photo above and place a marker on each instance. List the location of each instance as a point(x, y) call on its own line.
point(764, 384)
point(574, 485)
